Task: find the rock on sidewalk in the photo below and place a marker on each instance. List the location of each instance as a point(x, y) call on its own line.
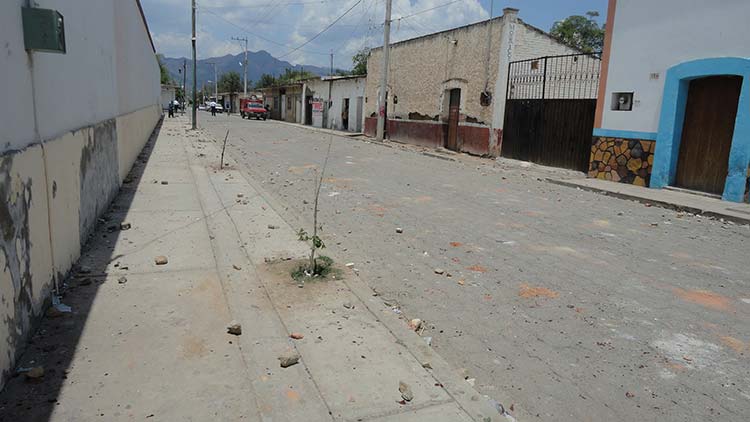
point(161, 260)
point(235, 328)
point(288, 359)
point(405, 391)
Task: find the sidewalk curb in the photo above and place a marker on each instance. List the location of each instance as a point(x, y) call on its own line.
point(655, 202)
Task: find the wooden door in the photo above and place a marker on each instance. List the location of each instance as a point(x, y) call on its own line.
point(710, 112)
point(453, 108)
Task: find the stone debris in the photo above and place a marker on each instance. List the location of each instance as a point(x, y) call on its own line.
point(426, 365)
point(125, 226)
point(399, 230)
point(53, 312)
point(35, 372)
point(348, 305)
point(471, 381)
point(164, 182)
point(122, 280)
point(415, 324)
point(288, 359)
point(405, 391)
point(236, 267)
point(161, 260)
point(439, 271)
point(234, 328)
point(272, 227)
point(297, 336)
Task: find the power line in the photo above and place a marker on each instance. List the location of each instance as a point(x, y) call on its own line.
point(245, 30)
point(428, 10)
point(321, 32)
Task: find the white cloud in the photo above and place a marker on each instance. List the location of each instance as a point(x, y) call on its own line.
point(292, 25)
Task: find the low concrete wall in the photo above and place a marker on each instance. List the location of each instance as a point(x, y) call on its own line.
point(472, 138)
point(51, 195)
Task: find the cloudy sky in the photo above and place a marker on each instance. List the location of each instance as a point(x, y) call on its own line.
point(282, 26)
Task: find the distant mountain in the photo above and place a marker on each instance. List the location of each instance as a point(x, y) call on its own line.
point(259, 62)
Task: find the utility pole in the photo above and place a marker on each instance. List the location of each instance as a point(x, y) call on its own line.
point(329, 120)
point(184, 85)
point(244, 65)
point(382, 97)
point(195, 80)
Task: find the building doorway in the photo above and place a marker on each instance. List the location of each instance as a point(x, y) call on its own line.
point(707, 131)
point(453, 111)
point(345, 114)
point(308, 110)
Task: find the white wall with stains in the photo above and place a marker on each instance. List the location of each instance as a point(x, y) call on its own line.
point(72, 126)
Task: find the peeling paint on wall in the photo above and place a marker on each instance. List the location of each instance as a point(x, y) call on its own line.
point(15, 247)
point(99, 175)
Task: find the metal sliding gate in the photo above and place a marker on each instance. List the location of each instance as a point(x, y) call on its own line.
point(549, 110)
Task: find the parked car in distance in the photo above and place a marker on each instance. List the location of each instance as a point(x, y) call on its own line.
point(253, 107)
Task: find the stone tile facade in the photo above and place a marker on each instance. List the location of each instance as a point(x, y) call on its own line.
point(622, 160)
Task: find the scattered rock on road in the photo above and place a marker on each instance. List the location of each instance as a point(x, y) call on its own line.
point(405, 391)
point(235, 328)
point(288, 359)
point(399, 230)
point(348, 305)
point(272, 227)
point(415, 324)
point(125, 226)
point(164, 182)
point(297, 336)
point(122, 280)
point(161, 260)
point(439, 271)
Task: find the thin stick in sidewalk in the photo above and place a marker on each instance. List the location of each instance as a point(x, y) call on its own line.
point(223, 148)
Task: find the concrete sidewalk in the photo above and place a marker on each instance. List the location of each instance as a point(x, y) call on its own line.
point(673, 199)
point(149, 341)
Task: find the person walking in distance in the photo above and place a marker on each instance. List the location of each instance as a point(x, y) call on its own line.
point(213, 109)
point(171, 109)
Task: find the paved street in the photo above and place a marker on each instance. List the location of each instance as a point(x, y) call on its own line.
point(574, 305)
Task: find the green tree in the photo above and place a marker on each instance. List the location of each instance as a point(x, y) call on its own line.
point(166, 78)
point(359, 61)
point(581, 32)
point(292, 75)
point(230, 82)
point(265, 81)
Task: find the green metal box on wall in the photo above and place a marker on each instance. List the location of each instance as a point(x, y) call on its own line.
point(43, 30)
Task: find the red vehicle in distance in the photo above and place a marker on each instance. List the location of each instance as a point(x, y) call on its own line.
point(253, 107)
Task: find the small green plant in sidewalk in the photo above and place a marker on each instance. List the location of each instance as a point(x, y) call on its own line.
point(316, 266)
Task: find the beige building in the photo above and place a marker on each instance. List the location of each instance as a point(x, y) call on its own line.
point(463, 70)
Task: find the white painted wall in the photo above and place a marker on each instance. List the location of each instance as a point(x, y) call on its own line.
point(652, 36)
point(83, 86)
point(350, 88)
point(17, 108)
point(71, 126)
point(345, 88)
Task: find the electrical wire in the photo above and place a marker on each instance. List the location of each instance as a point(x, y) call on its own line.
point(311, 39)
point(245, 30)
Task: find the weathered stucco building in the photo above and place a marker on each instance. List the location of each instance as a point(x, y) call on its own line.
point(464, 69)
point(73, 128)
point(284, 102)
point(674, 99)
point(343, 110)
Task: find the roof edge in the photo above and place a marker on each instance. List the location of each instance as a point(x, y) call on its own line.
point(145, 23)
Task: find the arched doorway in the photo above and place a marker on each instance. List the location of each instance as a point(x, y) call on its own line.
point(710, 113)
point(702, 108)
